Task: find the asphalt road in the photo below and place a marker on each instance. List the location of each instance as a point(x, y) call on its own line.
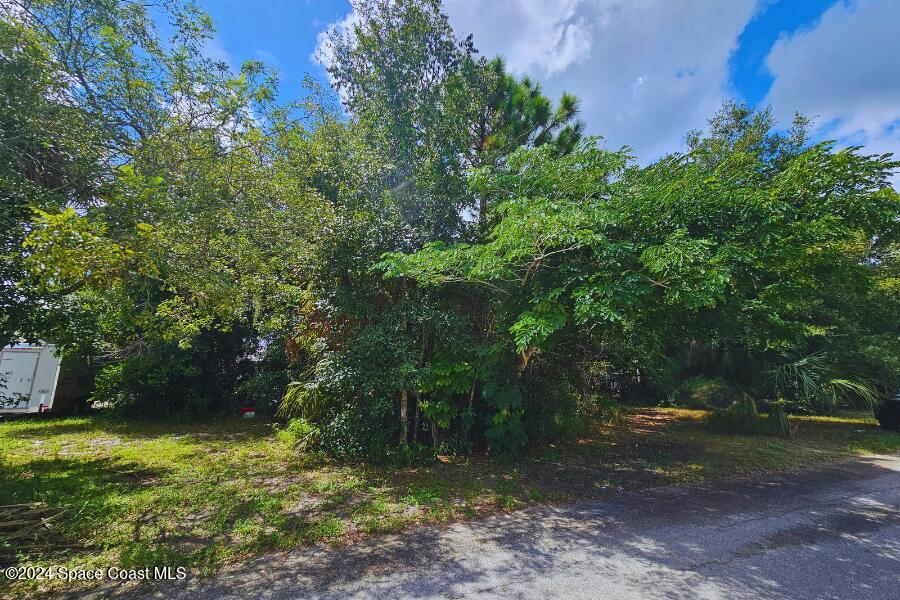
point(832, 532)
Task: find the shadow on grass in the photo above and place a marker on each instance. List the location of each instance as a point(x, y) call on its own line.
point(589, 466)
point(40, 426)
point(665, 543)
point(85, 491)
point(44, 426)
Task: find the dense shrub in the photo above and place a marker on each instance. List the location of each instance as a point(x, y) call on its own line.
point(263, 384)
point(158, 384)
point(705, 392)
point(299, 433)
point(166, 380)
point(365, 430)
point(740, 417)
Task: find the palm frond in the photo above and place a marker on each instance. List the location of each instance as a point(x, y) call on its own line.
point(814, 381)
point(855, 392)
point(302, 399)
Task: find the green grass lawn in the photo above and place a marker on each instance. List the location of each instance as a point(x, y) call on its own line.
point(136, 494)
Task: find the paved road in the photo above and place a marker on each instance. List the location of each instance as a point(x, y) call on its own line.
point(832, 532)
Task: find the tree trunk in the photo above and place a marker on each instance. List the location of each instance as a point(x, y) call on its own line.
point(416, 420)
point(404, 416)
point(525, 356)
point(404, 393)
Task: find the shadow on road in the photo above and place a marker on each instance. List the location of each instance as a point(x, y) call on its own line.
point(828, 532)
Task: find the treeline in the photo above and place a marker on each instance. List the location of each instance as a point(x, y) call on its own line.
point(431, 253)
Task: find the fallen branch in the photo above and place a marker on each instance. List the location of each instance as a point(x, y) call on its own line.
point(28, 521)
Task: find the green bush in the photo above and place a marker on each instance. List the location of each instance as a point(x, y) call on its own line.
point(299, 433)
point(777, 421)
point(551, 408)
point(361, 431)
point(741, 417)
point(705, 392)
point(611, 412)
point(410, 454)
point(505, 433)
point(264, 386)
point(159, 384)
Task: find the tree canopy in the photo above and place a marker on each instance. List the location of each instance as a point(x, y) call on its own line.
point(432, 253)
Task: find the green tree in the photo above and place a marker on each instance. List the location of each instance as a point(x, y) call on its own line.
point(429, 112)
point(435, 110)
point(52, 155)
point(196, 222)
point(763, 250)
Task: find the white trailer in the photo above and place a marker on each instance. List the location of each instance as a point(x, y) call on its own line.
point(29, 374)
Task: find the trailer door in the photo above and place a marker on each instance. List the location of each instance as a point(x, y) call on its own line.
point(43, 388)
point(18, 368)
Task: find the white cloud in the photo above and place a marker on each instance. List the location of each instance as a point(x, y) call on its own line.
point(845, 72)
point(543, 38)
point(646, 71)
point(323, 53)
point(214, 49)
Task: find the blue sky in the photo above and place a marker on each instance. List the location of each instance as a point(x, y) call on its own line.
point(749, 76)
point(281, 33)
point(646, 70)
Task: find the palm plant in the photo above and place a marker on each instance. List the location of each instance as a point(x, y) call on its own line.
point(305, 399)
point(815, 383)
point(778, 422)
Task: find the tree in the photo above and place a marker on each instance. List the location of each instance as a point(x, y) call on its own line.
point(435, 110)
point(496, 113)
point(444, 260)
point(765, 250)
point(431, 113)
point(192, 223)
point(52, 153)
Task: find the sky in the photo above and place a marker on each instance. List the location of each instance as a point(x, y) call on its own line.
point(646, 71)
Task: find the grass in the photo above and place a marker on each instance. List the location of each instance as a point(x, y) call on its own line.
point(135, 494)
